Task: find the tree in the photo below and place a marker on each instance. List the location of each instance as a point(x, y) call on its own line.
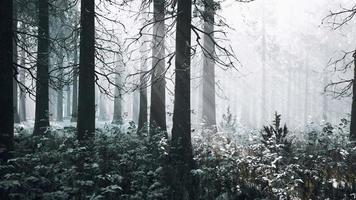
point(6, 79)
point(15, 86)
point(60, 86)
point(181, 154)
point(339, 19)
point(158, 86)
point(22, 104)
point(208, 109)
point(117, 118)
point(42, 78)
point(86, 100)
point(142, 116)
point(75, 83)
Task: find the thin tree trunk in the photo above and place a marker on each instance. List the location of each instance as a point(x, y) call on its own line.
point(158, 87)
point(306, 93)
point(68, 102)
point(6, 79)
point(102, 107)
point(353, 109)
point(181, 153)
point(325, 102)
point(75, 86)
point(263, 60)
point(42, 82)
point(86, 102)
point(208, 109)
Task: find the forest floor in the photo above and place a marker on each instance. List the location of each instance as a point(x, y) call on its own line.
point(234, 163)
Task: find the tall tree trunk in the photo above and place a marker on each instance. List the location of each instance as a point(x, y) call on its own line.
point(158, 87)
point(6, 80)
point(135, 106)
point(306, 93)
point(117, 117)
point(75, 86)
point(68, 104)
point(142, 117)
point(60, 89)
point(42, 99)
point(208, 109)
point(289, 94)
point(22, 105)
point(15, 85)
point(353, 109)
point(181, 153)
point(264, 111)
point(325, 101)
point(86, 101)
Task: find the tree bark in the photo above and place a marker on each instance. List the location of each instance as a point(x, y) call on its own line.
point(181, 153)
point(208, 109)
point(158, 86)
point(6, 80)
point(42, 81)
point(86, 101)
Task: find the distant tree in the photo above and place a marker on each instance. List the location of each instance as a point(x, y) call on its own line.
point(181, 154)
point(142, 116)
point(6, 79)
point(208, 104)
point(158, 86)
point(22, 104)
point(60, 86)
point(86, 100)
point(117, 118)
point(75, 82)
point(42, 78)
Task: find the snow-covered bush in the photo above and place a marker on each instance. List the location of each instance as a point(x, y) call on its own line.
point(278, 167)
point(114, 165)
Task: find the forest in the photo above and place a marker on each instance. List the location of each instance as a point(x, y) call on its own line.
point(177, 99)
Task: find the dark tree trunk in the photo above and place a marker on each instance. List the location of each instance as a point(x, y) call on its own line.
point(158, 87)
point(6, 80)
point(15, 85)
point(208, 109)
point(181, 153)
point(353, 109)
point(42, 112)
point(75, 87)
point(86, 101)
